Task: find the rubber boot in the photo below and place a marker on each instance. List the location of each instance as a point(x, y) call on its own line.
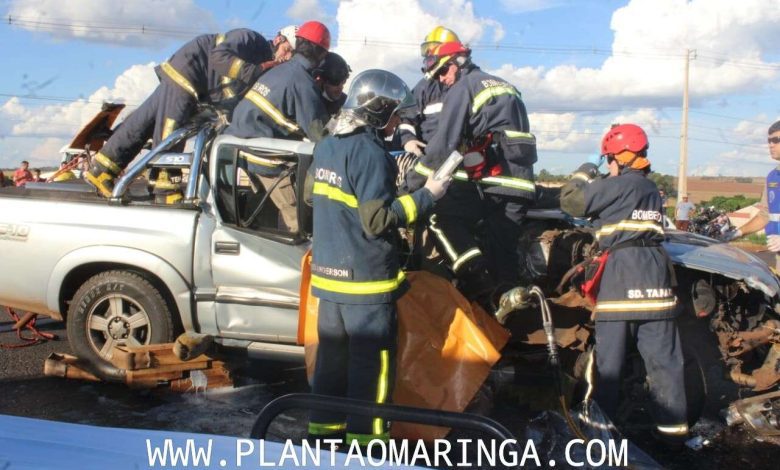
point(102, 173)
point(188, 346)
point(166, 189)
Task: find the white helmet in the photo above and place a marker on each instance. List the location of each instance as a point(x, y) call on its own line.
point(289, 33)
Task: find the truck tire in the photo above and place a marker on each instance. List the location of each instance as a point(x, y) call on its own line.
point(116, 308)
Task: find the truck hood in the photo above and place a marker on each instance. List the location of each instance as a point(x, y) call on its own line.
point(708, 255)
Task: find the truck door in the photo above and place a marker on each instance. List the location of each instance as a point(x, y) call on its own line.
point(258, 242)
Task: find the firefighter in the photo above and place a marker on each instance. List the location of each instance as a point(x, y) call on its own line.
point(484, 117)
point(212, 68)
point(285, 102)
point(355, 268)
point(633, 306)
point(331, 76)
point(416, 131)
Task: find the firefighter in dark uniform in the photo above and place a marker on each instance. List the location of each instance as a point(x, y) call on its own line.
point(285, 103)
point(636, 303)
point(415, 131)
point(356, 272)
point(484, 117)
point(212, 68)
point(331, 76)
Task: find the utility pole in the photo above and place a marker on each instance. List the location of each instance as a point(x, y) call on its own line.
point(682, 173)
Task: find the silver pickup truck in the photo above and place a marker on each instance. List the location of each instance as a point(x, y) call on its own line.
point(126, 270)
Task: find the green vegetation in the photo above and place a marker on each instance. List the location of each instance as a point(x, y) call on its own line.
point(729, 204)
point(666, 183)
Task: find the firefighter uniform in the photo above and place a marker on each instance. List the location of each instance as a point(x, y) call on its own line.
point(356, 275)
point(476, 106)
point(428, 96)
point(773, 206)
point(285, 103)
point(212, 68)
point(636, 301)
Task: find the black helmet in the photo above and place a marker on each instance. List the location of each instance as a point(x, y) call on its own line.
point(334, 69)
point(375, 95)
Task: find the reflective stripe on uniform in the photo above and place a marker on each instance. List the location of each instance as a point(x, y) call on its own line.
point(268, 162)
point(326, 428)
point(226, 90)
point(382, 386)
point(443, 239)
point(674, 429)
point(407, 128)
point(425, 171)
point(220, 39)
point(358, 287)
point(107, 163)
point(168, 127)
point(410, 208)
point(630, 226)
point(335, 194)
point(270, 110)
point(635, 305)
point(774, 217)
point(178, 78)
point(510, 182)
point(472, 253)
point(235, 68)
point(519, 135)
point(433, 108)
point(491, 92)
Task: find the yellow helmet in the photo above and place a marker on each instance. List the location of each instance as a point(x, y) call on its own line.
point(438, 35)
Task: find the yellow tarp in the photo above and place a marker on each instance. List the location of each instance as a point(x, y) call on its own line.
point(446, 347)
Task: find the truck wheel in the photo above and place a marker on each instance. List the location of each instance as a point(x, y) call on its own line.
point(116, 308)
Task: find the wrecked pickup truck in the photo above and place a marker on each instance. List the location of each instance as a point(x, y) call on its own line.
point(127, 271)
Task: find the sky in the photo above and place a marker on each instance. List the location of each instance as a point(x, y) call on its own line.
point(580, 65)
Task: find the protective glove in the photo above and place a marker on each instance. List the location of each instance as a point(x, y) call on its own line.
point(596, 159)
point(773, 243)
point(589, 169)
point(732, 235)
point(439, 187)
point(415, 146)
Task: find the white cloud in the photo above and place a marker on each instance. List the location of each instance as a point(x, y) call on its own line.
point(62, 121)
point(122, 23)
point(305, 10)
point(370, 30)
point(646, 63)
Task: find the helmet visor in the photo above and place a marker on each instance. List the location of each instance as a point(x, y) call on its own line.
point(427, 47)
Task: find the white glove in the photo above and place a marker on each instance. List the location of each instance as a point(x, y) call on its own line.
point(414, 146)
point(439, 187)
point(773, 243)
point(732, 235)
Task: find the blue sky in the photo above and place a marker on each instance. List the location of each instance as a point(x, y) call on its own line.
point(580, 65)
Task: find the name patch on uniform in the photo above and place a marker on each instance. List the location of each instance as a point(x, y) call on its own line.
point(262, 89)
point(663, 293)
point(491, 83)
point(330, 271)
point(328, 176)
point(640, 214)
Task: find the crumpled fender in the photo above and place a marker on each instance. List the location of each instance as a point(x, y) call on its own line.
point(705, 254)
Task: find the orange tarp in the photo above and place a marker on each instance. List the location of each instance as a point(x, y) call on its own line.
point(446, 347)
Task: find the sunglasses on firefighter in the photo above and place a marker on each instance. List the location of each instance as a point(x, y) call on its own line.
point(773, 140)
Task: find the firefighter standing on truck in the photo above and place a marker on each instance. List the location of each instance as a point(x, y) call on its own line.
point(484, 117)
point(212, 68)
point(634, 306)
point(355, 268)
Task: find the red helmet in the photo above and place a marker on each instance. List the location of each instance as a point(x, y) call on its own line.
point(624, 137)
point(315, 32)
